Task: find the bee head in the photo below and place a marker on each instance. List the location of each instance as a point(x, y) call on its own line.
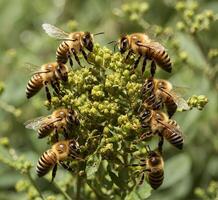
point(72, 117)
point(123, 44)
point(62, 72)
point(87, 40)
point(153, 157)
point(145, 114)
point(74, 147)
point(148, 85)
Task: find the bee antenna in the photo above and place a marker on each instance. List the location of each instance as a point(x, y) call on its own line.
point(100, 33)
point(115, 44)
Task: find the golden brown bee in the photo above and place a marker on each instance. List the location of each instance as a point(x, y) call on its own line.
point(50, 73)
point(73, 43)
point(159, 92)
point(153, 166)
point(61, 120)
point(157, 122)
point(140, 44)
point(61, 151)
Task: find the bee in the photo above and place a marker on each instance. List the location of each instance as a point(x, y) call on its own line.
point(73, 43)
point(140, 44)
point(50, 73)
point(159, 92)
point(153, 166)
point(157, 122)
point(61, 120)
point(61, 151)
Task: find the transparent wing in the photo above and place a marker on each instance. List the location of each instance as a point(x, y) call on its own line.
point(181, 103)
point(152, 45)
point(34, 69)
point(55, 32)
point(36, 123)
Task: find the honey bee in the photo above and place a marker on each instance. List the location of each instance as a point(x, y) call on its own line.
point(61, 151)
point(157, 122)
point(153, 166)
point(158, 92)
point(140, 44)
point(73, 43)
point(50, 73)
point(61, 120)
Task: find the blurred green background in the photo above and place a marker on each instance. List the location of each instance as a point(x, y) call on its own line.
point(192, 44)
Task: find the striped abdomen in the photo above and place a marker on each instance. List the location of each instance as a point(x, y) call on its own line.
point(155, 177)
point(34, 85)
point(171, 106)
point(45, 130)
point(174, 135)
point(62, 53)
point(46, 162)
point(162, 59)
point(153, 102)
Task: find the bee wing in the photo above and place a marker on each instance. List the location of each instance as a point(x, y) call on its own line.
point(36, 123)
point(152, 45)
point(171, 128)
point(34, 69)
point(181, 103)
point(55, 32)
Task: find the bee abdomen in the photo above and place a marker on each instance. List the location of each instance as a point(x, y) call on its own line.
point(163, 60)
point(34, 85)
point(176, 139)
point(46, 162)
point(45, 130)
point(171, 107)
point(155, 179)
point(61, 53)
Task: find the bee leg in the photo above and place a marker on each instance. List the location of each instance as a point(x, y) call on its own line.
point(136, 63)
point(160, 144)
point(85, 56)
point(146, 135)
point(128, 55)
point(70, 60)
point(65, 133)
point(66, 166)
point(54, 86)
point(144, 65)
point(54, 171)
point(153, 68)
point(48, 94)
point(76, 57)
point(56, 134)
point(142, 178)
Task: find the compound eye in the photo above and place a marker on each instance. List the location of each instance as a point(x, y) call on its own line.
point(124, 44)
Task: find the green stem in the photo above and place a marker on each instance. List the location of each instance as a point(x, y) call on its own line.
point(34, 185)
point(78, 187)
point(62, 192)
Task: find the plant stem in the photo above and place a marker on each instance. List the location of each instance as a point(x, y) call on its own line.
point(63, 192)
point(78, 187)
point(34, 185)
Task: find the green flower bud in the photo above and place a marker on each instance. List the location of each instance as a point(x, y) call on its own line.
point(4, 141)
point(22, 185)
point(180, 26)
point(180, 6)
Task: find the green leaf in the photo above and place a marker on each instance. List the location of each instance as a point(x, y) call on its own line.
point(116, 179)
point(175, 169)
point(92, 165)
point(140, 192)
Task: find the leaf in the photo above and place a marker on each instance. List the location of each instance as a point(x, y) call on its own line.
point(92, 166)
point(175, 169)
point(140, 192)
point(116, 179)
